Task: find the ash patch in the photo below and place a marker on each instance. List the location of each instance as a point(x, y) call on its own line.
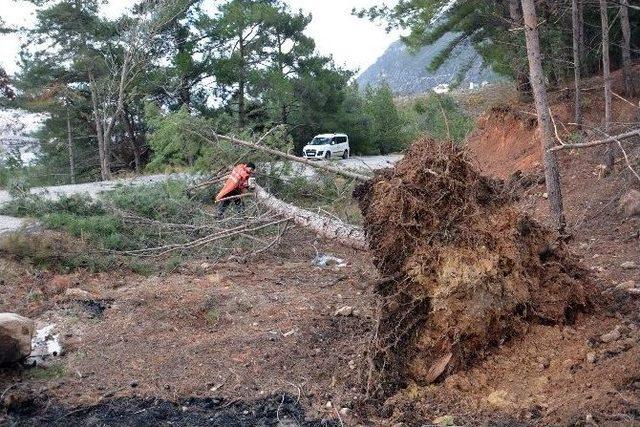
point(277, 410)
point(94, 308)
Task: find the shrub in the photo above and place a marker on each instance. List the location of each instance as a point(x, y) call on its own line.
point(55, 252)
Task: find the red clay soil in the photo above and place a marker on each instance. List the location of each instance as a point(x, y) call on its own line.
point(505, 139)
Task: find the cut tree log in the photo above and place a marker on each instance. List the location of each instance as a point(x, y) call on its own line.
point(318, 165)
point(328, 228)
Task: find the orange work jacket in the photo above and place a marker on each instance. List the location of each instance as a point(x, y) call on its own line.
point(238, 180)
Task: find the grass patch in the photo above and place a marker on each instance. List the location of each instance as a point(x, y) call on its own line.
point(212, 316)
point(52, 372)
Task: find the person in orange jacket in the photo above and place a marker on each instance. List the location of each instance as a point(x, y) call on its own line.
point(236, 184)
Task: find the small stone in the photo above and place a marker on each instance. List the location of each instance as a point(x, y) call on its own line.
point(328, 405)
point(545, 195)
point(352, 364)
point(445, 420)
point(629, 265)
point(626, 285)
point(345, 311)
point(345, 411)
point(499, 399)
point(589, 419)
point(611, 336)
point(636, 385)
point(544, 362)
point(591, 357)
point(630, 203)
point(78, 294)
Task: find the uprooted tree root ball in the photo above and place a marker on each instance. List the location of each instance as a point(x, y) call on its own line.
point(467, 270)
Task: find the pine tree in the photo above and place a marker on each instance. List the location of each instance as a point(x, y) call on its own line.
point(552, 174)
point(239, 35)
point(606, 76)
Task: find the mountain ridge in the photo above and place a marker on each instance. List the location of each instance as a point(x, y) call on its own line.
point(407, 72)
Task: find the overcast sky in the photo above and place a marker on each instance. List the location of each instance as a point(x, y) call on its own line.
point(354, 43)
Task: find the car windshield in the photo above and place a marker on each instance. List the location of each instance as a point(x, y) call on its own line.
point(320, 140)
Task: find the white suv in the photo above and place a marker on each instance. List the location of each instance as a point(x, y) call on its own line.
point(327, 145)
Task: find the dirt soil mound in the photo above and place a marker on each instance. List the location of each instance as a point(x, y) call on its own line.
point(469, 271)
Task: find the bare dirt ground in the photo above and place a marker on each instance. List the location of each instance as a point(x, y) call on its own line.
point(238, 331)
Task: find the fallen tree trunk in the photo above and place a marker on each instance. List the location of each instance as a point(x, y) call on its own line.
point(328, 228)
point(318, 165)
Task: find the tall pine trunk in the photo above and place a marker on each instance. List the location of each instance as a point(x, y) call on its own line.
point(72, 171)
point(184, 91)
point(133, 136)
point(552, 174)
point(606, 75)
point(629, 88)
point(577, 63)
point(105, 171)
point(242, 82)
point(523, 85)
point(328, 228)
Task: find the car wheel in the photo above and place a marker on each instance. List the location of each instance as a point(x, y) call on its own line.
point(345, 155)
point(328, 155)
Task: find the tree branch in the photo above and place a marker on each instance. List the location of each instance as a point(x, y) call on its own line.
point(608, 140)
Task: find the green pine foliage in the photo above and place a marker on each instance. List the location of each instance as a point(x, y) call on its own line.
point(437, 116)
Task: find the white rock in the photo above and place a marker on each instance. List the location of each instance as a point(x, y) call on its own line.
point(345, 411)
point(78, 294)
point(15, 337)
point(344, 311)
point(591, 357)
point(629, 265)
point(611, 336)
point(328, 405)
